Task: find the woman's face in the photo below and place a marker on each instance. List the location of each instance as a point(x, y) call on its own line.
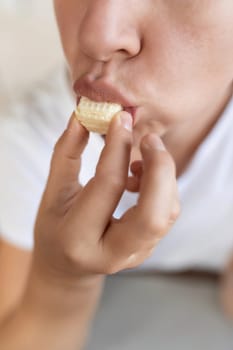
point(172, 58)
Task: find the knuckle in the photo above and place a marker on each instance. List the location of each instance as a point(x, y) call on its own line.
point(115, 182)
point(176, 211)
point(73, 255)
point(159, 225)
point(154, 226)
point(110, 179)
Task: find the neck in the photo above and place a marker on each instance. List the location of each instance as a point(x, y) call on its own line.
point(183, 140)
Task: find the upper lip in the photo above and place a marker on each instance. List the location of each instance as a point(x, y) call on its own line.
point(100, 91)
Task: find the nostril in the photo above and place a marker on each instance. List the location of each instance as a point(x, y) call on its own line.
point(105, 30)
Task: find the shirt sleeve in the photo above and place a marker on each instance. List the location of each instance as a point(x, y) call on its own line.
point(27, 137)
point(22, 180)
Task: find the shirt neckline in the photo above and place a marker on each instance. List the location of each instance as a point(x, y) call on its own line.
point(204, 148)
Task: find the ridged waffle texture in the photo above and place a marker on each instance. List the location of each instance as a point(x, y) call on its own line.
point(96, 116)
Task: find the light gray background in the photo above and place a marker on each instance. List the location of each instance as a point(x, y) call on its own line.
point(30, 45)
point(156, 312)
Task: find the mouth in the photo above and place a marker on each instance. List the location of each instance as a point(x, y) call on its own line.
point(102, 91)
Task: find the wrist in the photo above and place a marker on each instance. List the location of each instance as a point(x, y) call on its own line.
point(53, 314)
point(51, 291)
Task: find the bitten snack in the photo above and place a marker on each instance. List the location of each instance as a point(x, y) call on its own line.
point(96, 116)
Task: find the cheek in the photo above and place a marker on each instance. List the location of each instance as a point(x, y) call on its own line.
point(186, 70)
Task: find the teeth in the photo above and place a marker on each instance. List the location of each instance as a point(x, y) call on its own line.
point(96, 116)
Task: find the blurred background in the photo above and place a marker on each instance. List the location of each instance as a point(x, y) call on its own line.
point(137, 312)
point(30, 46)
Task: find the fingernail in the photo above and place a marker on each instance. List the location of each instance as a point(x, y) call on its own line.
point(126, 121)
point(154, 141)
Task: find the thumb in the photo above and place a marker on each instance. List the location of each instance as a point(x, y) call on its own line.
point(66, 160)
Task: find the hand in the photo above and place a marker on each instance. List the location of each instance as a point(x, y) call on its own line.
point(75, 232)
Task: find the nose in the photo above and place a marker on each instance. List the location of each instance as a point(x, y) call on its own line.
point(108, 27)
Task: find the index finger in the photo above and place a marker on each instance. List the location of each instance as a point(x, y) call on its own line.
point(66, 159)
point(100, 197)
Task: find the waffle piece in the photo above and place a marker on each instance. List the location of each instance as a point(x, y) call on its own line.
point(96, 116)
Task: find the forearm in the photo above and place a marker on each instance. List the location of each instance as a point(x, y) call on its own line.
point(54, 317)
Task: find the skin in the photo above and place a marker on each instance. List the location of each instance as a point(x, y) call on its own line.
point(170, 57)
point(167, 56)
point(76, 246)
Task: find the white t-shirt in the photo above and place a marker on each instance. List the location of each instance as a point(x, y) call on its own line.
point(202, 238)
